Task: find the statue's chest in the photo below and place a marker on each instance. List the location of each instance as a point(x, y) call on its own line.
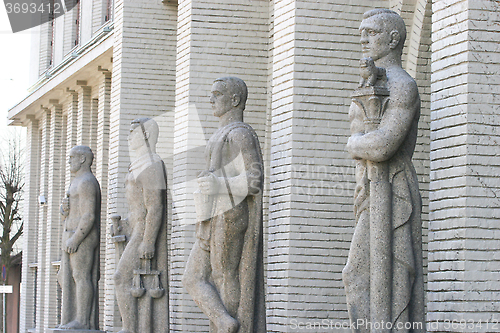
point(133, 192)
point(73, 190)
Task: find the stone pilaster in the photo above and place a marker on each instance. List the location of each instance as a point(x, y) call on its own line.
point(54, 195)
point(42, 265)
point(101, 173)
point(227, 39)
point(84, 113)
point(71, 115)
point(30, 232)
point(142, 85)
point(463, 229)
point(315, 69)
point(93, 128)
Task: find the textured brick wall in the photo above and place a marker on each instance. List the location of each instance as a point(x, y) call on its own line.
point(142, 85)
point(463, 232)
point(84, 114)
point(101, 173)
point(26, 314)
point(54, 194)
point(214, 40)
point(41, 262)
point(315, 60)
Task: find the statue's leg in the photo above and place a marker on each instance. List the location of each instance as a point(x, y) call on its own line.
point(356, 274)
point(229, 235)
point(196, 281)
point(65, 277)
point(82, 262)
point(123, 285)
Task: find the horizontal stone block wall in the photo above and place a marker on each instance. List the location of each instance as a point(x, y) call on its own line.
point(315, 69)
point(214, 40)
point(142, 85)
point(463, 233)
point(30, 232)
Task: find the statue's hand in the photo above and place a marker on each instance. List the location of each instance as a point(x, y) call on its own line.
point(351, 146)
point(146, 250)
point(65, 206)
point(208, 184)
point(71, 245)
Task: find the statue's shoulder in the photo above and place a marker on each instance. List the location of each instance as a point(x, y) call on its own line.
point(86, 184)
point(402, 86)
point(242, 133)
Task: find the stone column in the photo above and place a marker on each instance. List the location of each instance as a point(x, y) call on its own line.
point(315, 61)
point(227, 39)
point(464, 234)
point(142, 85)
point(71, 114)
point(42, 265)
point(101, 173)
point(31, 207)
point(84, 113)
point(54, 195)
point(93, 128)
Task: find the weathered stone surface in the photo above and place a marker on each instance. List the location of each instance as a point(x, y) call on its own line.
point(141, 276)
point(224, 273)
point(383, 276)
point(79, 272)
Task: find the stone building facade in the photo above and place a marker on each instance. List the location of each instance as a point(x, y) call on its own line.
point(105, 63)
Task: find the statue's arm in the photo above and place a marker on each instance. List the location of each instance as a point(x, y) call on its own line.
point(154, 201)
point(249, 166)
point(88, 196)
point(380, 145)
point(64, 209)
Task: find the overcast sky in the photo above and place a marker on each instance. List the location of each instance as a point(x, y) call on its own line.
point(14, 67)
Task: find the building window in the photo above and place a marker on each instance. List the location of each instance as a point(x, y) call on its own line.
point(109, 10)
point(77, 22)
point(52, 31)
point(46, 42)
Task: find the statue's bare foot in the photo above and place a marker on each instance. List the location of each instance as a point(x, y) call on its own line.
point(228, 325)
point(73, 325)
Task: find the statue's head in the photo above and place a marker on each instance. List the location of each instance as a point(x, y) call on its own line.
point(143, 132)
point(80, 157)
point(228, 93)
point(382, 32)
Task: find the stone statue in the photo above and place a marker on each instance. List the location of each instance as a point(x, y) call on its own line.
point(224, 273)
point(383, 276)
point(79, 272)
point(141, 278)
